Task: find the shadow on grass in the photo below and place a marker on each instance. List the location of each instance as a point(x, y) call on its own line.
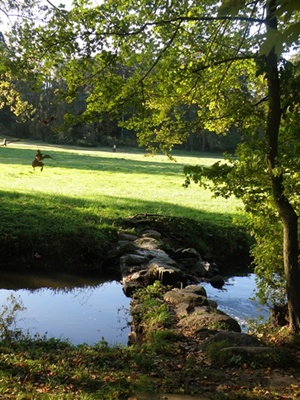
point(77, 235)
point(58, 369)
point(97, 162)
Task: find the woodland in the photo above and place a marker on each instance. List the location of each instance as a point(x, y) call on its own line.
point(165, 74)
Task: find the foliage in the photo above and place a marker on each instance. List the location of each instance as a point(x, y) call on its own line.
point(153, 314)
point(9, 317)
point(245, 177)
point(151, 65)
point(154, 61)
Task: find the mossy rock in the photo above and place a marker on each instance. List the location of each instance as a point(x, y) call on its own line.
point(257, 357)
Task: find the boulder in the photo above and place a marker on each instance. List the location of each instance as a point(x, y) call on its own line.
point(185, 253)
point(199, 268)
point(197, 289)
point(156, 255)
point(206, 269)
point(208, 318)
point(177, 296)
point(166, 274)
point(163, 259)
point(133, 259)
point(125, 247)
point(127, 270)
point(152, 234)
point(148, 243)
point(129, 287)
point(217, 282)
point(127, 237)
point(212, 303)
point(234, 339)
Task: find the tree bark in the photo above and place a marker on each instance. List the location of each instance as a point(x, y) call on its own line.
point(284, 208)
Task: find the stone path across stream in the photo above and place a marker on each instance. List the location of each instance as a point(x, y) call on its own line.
point(147, 258)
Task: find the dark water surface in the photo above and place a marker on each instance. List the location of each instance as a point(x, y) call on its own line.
point(80, 309)
point(85, 310)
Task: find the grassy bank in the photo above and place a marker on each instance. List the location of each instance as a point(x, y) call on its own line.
point(68, 215)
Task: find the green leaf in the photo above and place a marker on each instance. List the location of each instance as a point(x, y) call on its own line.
point(292, 34)
point(230, 7)
point(274, 39)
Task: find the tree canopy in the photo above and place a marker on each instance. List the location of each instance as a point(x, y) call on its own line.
point(160, 58)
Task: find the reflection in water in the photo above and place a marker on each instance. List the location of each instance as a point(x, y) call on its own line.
point(70, 307)
point(53, 280)
point(234, 299)
point(85, 310)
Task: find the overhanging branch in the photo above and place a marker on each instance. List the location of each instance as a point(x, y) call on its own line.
point(224, 61)
point(182, 19)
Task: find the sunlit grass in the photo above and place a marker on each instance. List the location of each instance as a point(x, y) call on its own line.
point(73, 209)
point(118, 184)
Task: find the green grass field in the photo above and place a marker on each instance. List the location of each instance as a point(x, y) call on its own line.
point(82, 193)
point(115, 184)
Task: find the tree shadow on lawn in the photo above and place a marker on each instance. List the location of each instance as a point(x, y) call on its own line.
point(75, 234)
point(101, 162)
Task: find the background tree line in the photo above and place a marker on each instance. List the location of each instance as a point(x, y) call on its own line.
point(53, 119)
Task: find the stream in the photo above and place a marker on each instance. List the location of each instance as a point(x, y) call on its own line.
point(68, 307)
point(234, 300)
point(87, 310)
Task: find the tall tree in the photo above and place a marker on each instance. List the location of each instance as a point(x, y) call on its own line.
point(282, 203)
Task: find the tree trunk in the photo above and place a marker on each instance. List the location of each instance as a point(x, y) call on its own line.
point(203, 141)
point(285, 210)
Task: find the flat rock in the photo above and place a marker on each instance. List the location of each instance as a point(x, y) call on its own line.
point(166, 274)
point(133, 259)
point(234, 339)
point(197, 289)
point(156, 253)
point(152, 233)
point(128, 237)
point(177, 296)
point(148, 243)
point(208, 318)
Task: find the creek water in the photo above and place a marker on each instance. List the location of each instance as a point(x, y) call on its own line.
point(68, 307)
point(85, 310)
point(235, 300)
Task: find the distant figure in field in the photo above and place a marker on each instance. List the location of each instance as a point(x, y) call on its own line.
point(37, 162)
point(114, 148)
point(5, 142)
